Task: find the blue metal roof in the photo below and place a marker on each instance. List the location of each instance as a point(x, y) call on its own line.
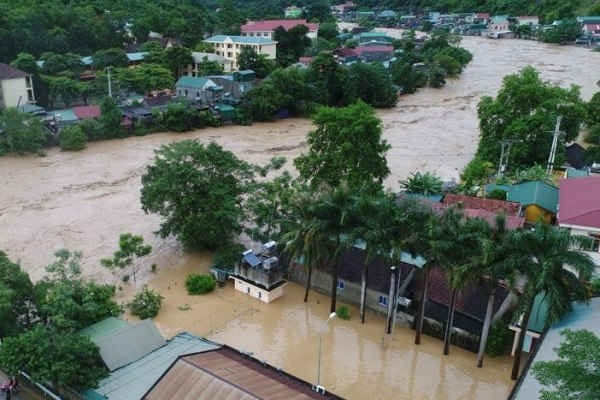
point(240, 39)
point(135, 379)
point(66, 115)
point(139, 56)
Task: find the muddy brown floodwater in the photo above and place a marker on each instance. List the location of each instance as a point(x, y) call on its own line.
point(83, 200)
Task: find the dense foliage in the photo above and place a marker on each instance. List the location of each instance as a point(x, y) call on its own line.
point(72, 138)
point(199, 283)
point(146, 303)
point(524, 111)
point(197, 189)
point(20, 133)
point(62, 359)
point(576, 374)
point(16, 296)
point(346, 146)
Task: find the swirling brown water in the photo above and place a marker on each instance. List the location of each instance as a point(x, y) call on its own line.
point(84, 200)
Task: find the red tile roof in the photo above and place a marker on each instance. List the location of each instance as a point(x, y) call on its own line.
point(8, 72)
point(87, 112)
point(579, 202)
point(305, 60)
point(344, 52)
point(272, 24)
point(483, 15)
point(512, 221)
point(478, 203)
point(360, 50)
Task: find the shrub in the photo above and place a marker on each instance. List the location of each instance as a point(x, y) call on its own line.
point(343, 312)
point(199, 283)
point(146, 303)
point(72, 138)
point(498, 194)
point(498, 340)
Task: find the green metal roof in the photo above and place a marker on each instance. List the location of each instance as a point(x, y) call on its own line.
point(134, 380)
point(193, 82)
point(539, 193)
point(104, 327)
point(489, 188)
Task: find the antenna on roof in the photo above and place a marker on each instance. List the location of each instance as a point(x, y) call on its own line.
point(552, 155)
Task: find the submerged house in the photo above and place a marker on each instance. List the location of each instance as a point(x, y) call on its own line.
point(261, 274)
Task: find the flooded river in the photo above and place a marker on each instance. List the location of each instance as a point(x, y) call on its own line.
point(83, 200)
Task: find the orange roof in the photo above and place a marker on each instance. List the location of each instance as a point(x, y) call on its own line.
point(478, 203)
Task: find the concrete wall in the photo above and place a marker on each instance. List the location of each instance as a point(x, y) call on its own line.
point(231, 50)
point(321, 282)
point(12, 89)
point(261, 294)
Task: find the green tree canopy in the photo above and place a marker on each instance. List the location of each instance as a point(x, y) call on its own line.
point(25, 62)
point(259, 63)
point(110, 58)
point(131, 249)
point(16, 297)
point(178, 58)
point(20, 132)
point(63, 359)
point(576, 373)
point(197, 189)
point(291, 44)
point(345, 146)
point(427, 183)
point(525, 110)
point(145, 78)
point(68, 303)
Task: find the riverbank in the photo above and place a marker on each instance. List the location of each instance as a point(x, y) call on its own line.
point(358, 360)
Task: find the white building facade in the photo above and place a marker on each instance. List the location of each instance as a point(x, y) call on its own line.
point(230, 47)
point(16, 87)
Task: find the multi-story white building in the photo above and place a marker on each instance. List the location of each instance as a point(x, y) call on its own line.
point(267, 28)
point(231, 46)
point(16, 87)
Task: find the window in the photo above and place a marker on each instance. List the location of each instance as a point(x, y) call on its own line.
point(248, 289)
point(229, 54)
point(340, 285)
point(229, 46)
point(265, 34)
point(383, 300)
point(259, 294)
point(186, 92)
point(197, 94)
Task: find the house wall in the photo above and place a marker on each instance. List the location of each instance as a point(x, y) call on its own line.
point(13, 89)
point(194, 93)
point(533, 213)
point(321, 282)
point(231, 50)
point(192, 69)
point(261, 294)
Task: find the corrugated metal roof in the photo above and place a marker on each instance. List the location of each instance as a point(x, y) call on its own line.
point(132, 381)
point(583, 316)
point(129, 344)
point(138, 56)
point(193, 82)
point(66, 115)
point(104, 327)
point(536, 192)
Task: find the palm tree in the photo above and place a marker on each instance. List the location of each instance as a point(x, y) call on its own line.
point(381, 226)
point(322, 231)
point(426, 184)
point(491, 264)
point(544, 253)
point(423, 239)
point(458, 254)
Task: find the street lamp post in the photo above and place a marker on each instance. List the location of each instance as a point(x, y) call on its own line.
point(331, 316)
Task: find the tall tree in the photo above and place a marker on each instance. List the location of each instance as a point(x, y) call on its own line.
point(291, 44)
point(329, 79)
point(259, 63)
point(544, 253)
point(372, 84)
point(131, 250)
point(178, 58)
point(346, 146)
point(198, 191)
point(427, 183)
point(110, 58)
point(525, 110)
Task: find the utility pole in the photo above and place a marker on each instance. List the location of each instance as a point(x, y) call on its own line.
point(555, 138)
point(109, 83)
point(504, 155)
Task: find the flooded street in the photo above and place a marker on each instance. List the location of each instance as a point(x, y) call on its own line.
point(83, 200)
point(357, 361)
